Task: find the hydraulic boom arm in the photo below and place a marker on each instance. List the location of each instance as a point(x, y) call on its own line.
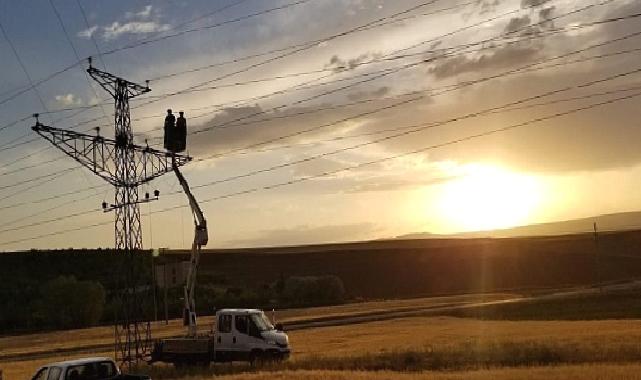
point(200, 239)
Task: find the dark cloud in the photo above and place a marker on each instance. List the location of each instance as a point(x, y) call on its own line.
point(533, 3)
point(568, 144)
point(546, 13)
point(306, 235)
point(517, 23)
point(341, 64)
point(360, 95)
point(286, 122)
point(502, 58)
point(483, 7)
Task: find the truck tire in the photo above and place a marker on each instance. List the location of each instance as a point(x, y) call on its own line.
point(256, 356)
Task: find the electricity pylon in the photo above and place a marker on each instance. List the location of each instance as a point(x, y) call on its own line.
point(126, 166)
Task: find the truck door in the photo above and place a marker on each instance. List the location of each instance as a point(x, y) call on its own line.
point(241, 325)
point(225, 340)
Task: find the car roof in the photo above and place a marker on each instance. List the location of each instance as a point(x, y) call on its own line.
point(239, 311)
point(69, 363)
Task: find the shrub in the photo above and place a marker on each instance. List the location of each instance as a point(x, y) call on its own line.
point(310, 290)
point(66, 302)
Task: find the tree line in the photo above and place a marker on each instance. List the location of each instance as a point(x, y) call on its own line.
point(48, 290)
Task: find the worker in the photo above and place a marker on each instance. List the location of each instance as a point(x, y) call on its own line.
point(170, 123)
point(181, 132)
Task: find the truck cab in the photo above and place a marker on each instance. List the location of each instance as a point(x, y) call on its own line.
point(248, 335)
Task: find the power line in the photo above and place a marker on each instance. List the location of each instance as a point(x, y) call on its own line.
point(24, 68)
point(368, 163)
point(53, 197)
point(407, 130)
point(59, 232)
point(419, 128)
point(216, 25)
point(140, 43)
point(297, 50)
point(557, 57)
point(39, 213)
point(48, 175)
point(445, 89)
point(95, 44)
point(392, 71)
point(307, 46)
point(290, 47)
point(575, 52)
point(34, 85)
point(423, 150)
point(378, 23)
point(270, 141)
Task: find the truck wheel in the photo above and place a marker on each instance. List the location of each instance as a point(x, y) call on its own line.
point(255, 357)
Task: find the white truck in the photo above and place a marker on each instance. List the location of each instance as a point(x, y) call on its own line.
point(238, 335)
point(84, 369)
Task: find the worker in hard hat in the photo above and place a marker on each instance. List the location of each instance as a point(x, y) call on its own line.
point(170, 123)
point(181, 132)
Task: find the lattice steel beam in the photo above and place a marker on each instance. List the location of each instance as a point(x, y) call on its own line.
point(98, 154)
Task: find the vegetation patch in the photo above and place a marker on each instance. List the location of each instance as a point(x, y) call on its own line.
point(472, 355)
point(622, 304)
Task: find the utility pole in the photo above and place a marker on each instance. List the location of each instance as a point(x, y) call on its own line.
point(126, 166)
point(598, 258)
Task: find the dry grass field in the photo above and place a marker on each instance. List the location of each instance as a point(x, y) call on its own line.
point(413, 348)
point(49, 341)
point(583, 372)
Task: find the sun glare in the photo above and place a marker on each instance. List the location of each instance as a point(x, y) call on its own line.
point(487, 198)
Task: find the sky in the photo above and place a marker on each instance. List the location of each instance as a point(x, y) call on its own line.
point(316, 121)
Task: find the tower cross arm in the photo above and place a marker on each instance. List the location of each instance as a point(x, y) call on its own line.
point(98, 154)
point(110, 83)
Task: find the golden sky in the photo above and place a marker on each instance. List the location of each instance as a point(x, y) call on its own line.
point(358, 119)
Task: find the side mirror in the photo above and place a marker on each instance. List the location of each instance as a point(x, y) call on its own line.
point(279, 327)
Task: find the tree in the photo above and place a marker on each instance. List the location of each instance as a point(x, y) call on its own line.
point(67, 302)
point(312, 290)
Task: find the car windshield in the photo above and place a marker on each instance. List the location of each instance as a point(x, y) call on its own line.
point(262, 322)
point(91, 371)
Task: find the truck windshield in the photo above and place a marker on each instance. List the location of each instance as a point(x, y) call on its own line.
point(262, 322)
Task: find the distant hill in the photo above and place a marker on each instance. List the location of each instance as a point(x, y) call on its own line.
point(608, 222)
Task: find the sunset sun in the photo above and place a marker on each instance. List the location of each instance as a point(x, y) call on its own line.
point(487, 198)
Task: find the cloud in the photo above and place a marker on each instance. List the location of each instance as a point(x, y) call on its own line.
point(360, 95)
point(317, 166)
point(340, 64)
point(517, 23)
point(505, 57)
point(67, 100)
point(88, 33)
point(233, 133)
point(116, 29)
point(310, 234)
point(546, 13)
point(146, 12)
point(533, 3)
point(147, 20)
point(392, 183)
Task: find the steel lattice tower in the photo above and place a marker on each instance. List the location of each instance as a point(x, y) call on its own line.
point(126, 166)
